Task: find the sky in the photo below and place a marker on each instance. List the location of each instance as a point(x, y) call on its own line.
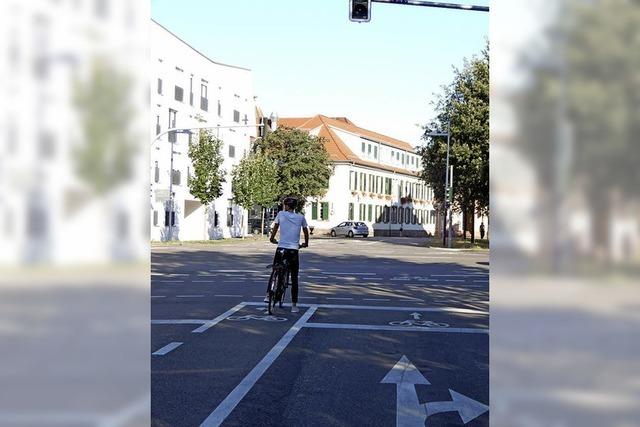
point(307, 58)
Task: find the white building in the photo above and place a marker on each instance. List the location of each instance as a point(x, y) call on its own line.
point(375, 180)
point(187, 87)
point(50, 211)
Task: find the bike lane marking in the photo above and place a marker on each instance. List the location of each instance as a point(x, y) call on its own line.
point(223, 410)
point(167, 348)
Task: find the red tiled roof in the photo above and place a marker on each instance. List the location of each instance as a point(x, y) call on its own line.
point(337, 149)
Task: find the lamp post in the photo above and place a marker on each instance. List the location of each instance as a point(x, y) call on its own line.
point(187, 131)
point(447, 205)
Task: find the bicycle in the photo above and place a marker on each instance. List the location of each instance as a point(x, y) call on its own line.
point(278, 282)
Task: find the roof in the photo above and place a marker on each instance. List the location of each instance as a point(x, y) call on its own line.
point(337, 149)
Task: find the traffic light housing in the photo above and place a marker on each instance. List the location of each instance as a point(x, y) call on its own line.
point(360, 10)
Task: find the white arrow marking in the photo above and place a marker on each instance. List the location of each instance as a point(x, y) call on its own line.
point(409, 412)
point(468, 408)
point(416, 316)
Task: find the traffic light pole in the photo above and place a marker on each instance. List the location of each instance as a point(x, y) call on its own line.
point(446, 190)
point(436, 4)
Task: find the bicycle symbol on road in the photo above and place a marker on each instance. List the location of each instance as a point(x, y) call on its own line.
point(427, 323)
point(254, 317)
point(417, 322)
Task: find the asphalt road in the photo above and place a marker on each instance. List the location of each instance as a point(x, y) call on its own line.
point(388, 333)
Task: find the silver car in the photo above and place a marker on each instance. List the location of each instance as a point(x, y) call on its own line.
point(350, 229)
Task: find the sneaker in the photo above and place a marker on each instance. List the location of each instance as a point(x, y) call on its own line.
point(294, 309)
point(266, 299)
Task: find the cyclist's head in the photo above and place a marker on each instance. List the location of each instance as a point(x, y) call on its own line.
point(290, 202)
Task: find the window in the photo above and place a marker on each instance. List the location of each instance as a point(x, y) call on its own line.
point(232, 151)
point(160, 86)
point(387, 186)
point(156, 173)
point(362, 181)
point(350, 217)
point(369, 150)
point(397, 155)
point(407, 216)
point(229, 216)
point(385, 214)
point(375, 152)
point(402, 159)
point(166, 218)
point(363, 146)
point(361, 212)
point(314, 210)
point(191, 91)
point(353, 180)
point(236, 116)
point(400, 215)
point(324, 211)
point(172, 124)
point(219, 109)
point(155, 218)
point(370, 213)
point(179, 93)
point(158, 125)
point(370, 183)
point(204, 101)
point(394, 215)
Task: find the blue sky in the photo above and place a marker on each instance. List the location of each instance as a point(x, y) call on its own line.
point(308, 58)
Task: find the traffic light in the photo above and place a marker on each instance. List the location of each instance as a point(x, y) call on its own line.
point(360, 10)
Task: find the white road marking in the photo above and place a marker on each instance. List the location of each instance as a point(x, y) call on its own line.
point(171, 281)
point(166, 349)
point(376, 299)
point(158, 296)
point(395, 328)
point(349, 274)
point(213, 322)
point(223, 410)
point(339, 298)
point(189, 296)
point(480, 281)
point(179, 322)
point(173, 274)
point(454, 280)
point(389, 308)
point(238, 271)
point(307, 297)
point(227, 295)
point(203, 281)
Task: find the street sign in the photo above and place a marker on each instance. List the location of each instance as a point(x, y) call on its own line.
point(162, 195)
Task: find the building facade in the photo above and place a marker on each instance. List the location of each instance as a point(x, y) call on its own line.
point(188, 90)
point(375, 180)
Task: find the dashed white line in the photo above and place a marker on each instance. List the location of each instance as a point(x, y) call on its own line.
point(171, 281)
point(189, 296)
point(203, 281)
point(217, 295)
point(339, 298)
point(454, 280)
point(349, 274)
point(158, 296)
point(167, 348)
point(376, 299)
point(307, 297)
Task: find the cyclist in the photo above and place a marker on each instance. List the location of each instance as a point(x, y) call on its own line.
point(289, 223)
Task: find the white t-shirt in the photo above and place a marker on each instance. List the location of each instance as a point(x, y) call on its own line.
point(290, 225)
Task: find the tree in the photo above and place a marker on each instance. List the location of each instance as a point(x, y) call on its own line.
point(206, 158)
point(103, 159)
point(255, 182)
point(463, 110)
point(303, 164)
point(580, 113)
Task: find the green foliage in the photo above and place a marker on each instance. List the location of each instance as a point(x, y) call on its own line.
point(464, 106)
point(303, 164)
point(206, 157)
point(103, 158)
point(255, 181)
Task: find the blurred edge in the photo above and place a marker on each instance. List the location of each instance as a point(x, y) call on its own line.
point(74, 252)
point(565, 213)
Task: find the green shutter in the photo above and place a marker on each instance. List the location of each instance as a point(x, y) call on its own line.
point(350, 212)
point(325, 211)
point(314, 210)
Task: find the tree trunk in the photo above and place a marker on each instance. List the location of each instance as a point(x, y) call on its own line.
point(465, 219)
point(473, 222)
point(262, 221)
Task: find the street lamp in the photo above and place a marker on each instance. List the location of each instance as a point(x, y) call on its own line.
point(447, 205)
point(187, 131)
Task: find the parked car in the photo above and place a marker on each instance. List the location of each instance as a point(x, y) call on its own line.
point(350, 229)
